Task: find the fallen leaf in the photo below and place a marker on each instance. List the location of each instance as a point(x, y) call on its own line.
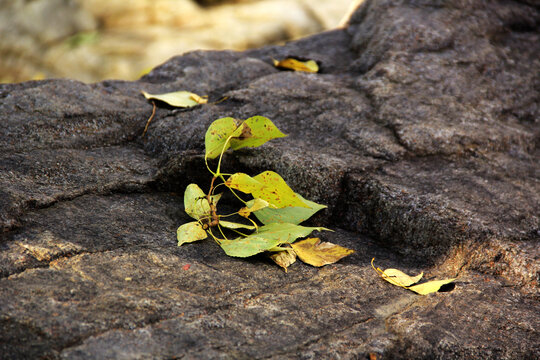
point(177, 98)
point(314, 252)
point(430, 286)
point(284, 258)
point(399, 278)
point(297, 65)
point(190, 232)
point(186, 267)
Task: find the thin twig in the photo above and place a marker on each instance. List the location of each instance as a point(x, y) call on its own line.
point(150, 119)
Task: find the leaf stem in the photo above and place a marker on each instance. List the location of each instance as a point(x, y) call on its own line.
point(222, 152)
point(221, 231)
point(150, 118)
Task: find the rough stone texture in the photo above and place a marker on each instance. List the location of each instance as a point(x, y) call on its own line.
point(420, 132)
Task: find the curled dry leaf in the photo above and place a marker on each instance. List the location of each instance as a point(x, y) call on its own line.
point(430, 286)
point(314, 252)
point(284, 258)
point(297, 65)
point(399, 278)
point(177, 98)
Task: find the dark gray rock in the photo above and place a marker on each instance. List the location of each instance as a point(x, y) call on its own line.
point(420, 132)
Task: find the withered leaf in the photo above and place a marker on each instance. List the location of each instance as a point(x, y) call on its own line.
point(314, 252)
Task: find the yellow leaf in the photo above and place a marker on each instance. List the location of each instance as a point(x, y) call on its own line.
point(253, 205)
point(284, 258)
point(399, 278)
point(430, 286)
point(177, 98)
point(297, 65)
point(313, 252)
point(190, 232)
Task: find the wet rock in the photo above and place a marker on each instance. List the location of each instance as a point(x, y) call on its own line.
point(420, 133)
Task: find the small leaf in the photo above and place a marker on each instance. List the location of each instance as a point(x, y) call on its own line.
point(430, 286)
point(247, 246)
point(289, 214)
point(256, 131)
point(177, 98)
point(313, 252)
point(232, 225)
point(217, 134)
point(195, 202)
point(399, 278)
point(284, 258)
point(190, 232)
point(297, 65)
point(253, 205)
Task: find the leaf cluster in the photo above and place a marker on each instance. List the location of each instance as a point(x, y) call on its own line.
point(276, 208)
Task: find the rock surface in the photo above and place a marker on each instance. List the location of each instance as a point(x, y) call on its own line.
point(420, 133)
point(92, 40)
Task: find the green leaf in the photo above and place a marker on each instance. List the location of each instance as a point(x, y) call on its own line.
point(289, 214)
point(286, 233)
point(195, 202)
point(277, 192)
point(216, 136)
point(266, 238)
point(190, 232)
point(177, 98)
point(268, 186)
point(247, 246)
point(430, 286)
point(256, 131)
point(313, 252)
point(232, 225)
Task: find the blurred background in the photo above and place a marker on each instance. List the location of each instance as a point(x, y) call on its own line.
point(93, 40)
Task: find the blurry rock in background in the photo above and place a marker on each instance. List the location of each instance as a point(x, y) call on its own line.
point(92, 40)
